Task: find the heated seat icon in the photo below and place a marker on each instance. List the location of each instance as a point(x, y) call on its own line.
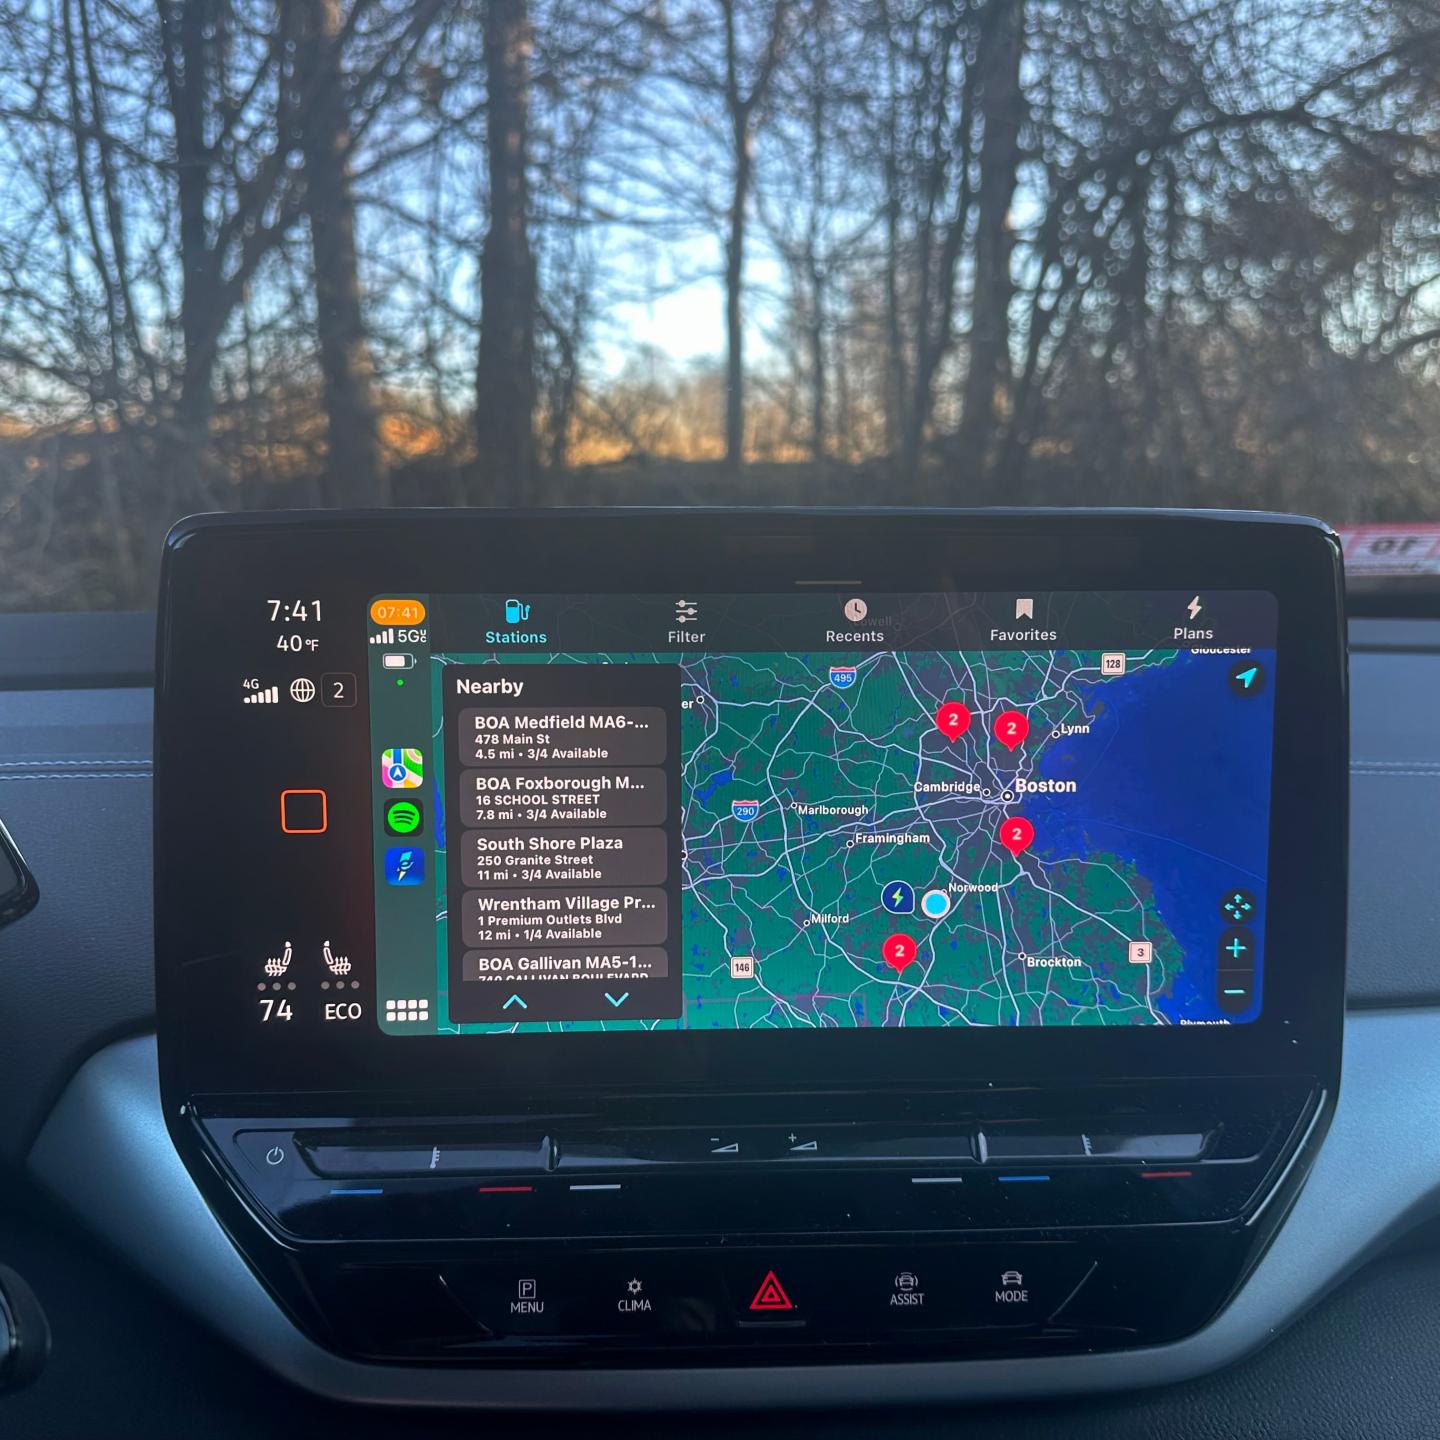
point(771, 1295)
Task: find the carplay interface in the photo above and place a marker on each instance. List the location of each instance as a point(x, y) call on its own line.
point(819, 811)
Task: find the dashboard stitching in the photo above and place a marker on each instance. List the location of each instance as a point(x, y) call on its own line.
point(135, 761)
point(86, 775)
point(1430, 773)
point(1395, 764)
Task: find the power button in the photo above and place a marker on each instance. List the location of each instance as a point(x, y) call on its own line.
point(270, 1153)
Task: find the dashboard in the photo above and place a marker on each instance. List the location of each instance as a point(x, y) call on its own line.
point(795, 942)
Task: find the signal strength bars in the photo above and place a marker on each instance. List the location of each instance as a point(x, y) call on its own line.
point(268, 696)
point(384, 637)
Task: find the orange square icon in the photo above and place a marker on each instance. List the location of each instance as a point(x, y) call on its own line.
point(304, 812)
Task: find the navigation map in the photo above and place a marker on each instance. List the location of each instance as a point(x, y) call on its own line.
point(967, 838)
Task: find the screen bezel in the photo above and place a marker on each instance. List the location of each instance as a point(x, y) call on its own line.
point(215, 566)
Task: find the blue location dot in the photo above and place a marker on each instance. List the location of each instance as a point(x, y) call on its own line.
point(935, 904)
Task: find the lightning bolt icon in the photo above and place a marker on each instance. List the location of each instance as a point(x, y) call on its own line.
point(1194, 607)
point(894, 897)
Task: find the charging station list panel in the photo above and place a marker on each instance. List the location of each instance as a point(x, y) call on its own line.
point(564, 824)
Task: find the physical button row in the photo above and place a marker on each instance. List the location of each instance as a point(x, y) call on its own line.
point(661, 1148)
point(834, 1292)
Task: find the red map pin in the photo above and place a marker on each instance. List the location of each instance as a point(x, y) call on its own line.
point(1011, 728)
point(899, 951)
point(952, 719)
point(1016, 833)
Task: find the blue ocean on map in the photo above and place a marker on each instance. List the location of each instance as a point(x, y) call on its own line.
point(1174, 778)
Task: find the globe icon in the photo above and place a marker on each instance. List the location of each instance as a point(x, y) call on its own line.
point(302, 690)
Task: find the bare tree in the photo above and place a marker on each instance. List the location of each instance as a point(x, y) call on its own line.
point(816, 200)
point(505, 372)
point(1002, 115)
point(688, 162)
point(353, 456)
point(236, 193)
point(951, 121)
point(746, 86)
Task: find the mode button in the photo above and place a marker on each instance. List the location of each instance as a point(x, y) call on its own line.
point(1018, 1285)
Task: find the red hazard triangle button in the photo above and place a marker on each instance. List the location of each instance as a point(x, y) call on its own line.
point(771, 1295)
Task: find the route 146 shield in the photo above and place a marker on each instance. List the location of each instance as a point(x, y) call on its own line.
point(744, 809)
point(842, 677)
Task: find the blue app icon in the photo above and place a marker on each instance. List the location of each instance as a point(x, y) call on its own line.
point(898, 898)
point(404, 865)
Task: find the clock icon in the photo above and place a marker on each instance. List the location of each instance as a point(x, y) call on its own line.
point(856, 609)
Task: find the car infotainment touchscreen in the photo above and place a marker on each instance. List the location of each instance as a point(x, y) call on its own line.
point(478, 805)
point(708, 811)
point(800, 934)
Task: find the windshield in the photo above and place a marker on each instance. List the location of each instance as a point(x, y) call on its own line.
point(554, 252)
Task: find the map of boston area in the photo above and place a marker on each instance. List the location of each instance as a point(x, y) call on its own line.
point(747, 839)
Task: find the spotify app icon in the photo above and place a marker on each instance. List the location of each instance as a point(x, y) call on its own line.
point(403, 817)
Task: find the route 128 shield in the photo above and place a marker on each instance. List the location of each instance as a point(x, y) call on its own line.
point(744, 809)
point(842, 677)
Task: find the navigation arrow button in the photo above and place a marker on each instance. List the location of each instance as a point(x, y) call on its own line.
point(617, 1003)
point(1247, 678)
point(514, 1000)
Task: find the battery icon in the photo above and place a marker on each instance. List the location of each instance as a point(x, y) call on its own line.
point(396, 660)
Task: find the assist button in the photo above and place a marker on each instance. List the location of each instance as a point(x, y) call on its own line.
point(901, 1289)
